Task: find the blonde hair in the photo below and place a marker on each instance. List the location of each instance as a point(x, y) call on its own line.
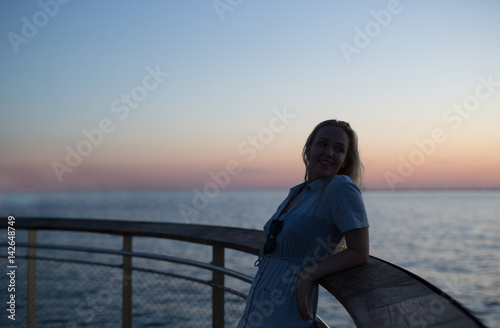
point(353, 167)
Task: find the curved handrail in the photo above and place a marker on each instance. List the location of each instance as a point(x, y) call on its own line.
point(381, 294)
point(377, 293)
point(245, 240)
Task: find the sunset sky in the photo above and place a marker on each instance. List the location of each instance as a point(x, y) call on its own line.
point(161, 95)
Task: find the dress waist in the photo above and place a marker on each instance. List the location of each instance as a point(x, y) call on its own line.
point(284, 258)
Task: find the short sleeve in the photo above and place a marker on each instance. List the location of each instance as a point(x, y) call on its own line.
point(348, 210)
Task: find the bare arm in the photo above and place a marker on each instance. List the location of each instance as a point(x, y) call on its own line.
point(356, 254)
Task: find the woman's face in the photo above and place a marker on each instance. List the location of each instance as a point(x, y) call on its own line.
point(327, 152)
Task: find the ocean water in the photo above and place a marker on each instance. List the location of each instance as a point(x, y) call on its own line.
point(450, 238)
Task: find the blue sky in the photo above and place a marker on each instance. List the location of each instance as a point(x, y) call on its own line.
point(225, 77)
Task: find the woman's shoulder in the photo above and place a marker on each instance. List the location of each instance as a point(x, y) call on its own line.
point(343, 185)
point(342, 181)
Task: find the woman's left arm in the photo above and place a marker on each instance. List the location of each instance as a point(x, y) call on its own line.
point(357, 252)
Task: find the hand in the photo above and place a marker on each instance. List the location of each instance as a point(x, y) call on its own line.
point(303, 287)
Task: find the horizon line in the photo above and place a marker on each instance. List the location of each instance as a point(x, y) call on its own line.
point(249, 189)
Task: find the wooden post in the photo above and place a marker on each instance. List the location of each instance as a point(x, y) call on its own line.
point(127, 284)
point(31, 280)
point(217, 294)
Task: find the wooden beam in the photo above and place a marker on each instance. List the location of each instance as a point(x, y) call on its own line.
point(375, 294)
point(31, 280)
point(127, 284)
point(380, 294)
point(217, 293)
point(246, 240)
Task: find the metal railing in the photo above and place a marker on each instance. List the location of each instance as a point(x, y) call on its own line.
point(61, 290)
point(101, 285)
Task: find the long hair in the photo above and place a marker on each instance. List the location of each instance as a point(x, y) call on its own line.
point(353, 167)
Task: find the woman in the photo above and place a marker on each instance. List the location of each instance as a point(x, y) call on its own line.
point(306, 228)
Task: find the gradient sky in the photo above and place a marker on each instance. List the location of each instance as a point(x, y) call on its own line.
point(239, 86)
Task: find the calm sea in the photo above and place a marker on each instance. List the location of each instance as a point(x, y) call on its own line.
point(450, 238)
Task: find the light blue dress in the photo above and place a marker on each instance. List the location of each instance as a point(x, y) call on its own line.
point(312, 229)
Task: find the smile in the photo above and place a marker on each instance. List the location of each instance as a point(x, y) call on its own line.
point(326, 163)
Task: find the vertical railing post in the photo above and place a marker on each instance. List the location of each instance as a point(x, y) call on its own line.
point(217, 294)
point(127, 283)
point(31, 280)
